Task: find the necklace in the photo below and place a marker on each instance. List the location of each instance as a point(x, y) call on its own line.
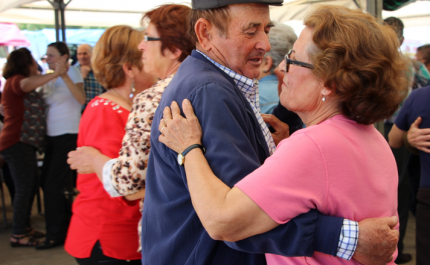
point(121, 96)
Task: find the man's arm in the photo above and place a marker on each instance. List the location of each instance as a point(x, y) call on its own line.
point(395, 137)
point(419, 138)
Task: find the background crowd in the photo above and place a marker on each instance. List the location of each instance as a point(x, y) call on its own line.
point(102, 117)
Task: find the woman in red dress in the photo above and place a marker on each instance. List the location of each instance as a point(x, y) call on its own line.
point(104, 229)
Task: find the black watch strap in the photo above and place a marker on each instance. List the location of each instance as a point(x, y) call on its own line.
point(191, 147)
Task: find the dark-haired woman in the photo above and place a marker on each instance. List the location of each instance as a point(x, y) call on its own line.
point(64, 96)
point(22, 136)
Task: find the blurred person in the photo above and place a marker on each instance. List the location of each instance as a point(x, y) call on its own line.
point(423, 55)
point(108, 234)
point(407, 163)
point(281, 39)
point(91, 85)
point(43, 64)
point(64, 96)
point(163, 47)
point(340, 54)
point(23, 135)
point(415, 108)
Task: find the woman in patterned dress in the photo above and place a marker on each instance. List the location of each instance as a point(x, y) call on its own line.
point(103, 229)
point(164, 47)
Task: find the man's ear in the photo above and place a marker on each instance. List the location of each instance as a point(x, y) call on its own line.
point(267, 64)
point(204, 31)
point(127, 70)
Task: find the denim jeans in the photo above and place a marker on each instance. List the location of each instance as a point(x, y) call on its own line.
point(22, 162)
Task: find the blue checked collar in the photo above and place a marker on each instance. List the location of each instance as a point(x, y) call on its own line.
point(246, 85)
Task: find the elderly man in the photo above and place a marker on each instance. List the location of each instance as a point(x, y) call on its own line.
point(217, 78)
point(91, 86)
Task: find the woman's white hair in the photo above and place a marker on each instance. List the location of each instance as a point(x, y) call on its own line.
point(281, 38)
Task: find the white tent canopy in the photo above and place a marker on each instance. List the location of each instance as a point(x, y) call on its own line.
point(107, 13)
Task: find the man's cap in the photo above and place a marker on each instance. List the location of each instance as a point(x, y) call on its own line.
point(208, 4)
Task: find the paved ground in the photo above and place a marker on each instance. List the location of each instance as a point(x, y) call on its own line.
point(30, 256)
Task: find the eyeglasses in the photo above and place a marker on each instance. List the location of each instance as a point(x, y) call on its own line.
point(146, 38)
point(288, 61)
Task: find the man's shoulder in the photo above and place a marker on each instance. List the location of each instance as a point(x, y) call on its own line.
point(195, 74)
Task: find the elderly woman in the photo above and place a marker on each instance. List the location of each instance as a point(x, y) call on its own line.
point(22, 135)
point(164, 47)
point(102, 229)
point(343, 74)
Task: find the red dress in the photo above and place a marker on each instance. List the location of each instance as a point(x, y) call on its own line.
point(96, 216)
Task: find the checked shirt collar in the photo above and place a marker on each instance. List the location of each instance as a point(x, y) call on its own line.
point(249, 88)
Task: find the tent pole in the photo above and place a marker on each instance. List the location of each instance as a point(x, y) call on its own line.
point(57, 22)
point(374, 7)
point(63, 20)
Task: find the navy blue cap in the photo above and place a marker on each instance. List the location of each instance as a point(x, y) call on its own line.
point(208, 4)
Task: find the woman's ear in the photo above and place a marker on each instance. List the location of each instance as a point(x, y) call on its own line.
point(203, 29)
point(175, 54)
point(128, 70)
point(326, 92)
point(64, 58)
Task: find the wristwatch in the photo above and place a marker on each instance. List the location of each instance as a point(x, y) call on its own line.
point(181, 156)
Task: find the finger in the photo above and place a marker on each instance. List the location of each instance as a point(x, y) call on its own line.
point(417, 122)
point(167, 114)
point(188, 109)
point(424, 149)
point(176, 111)
point(71, 154)
point(392, 221)
point(161, 124)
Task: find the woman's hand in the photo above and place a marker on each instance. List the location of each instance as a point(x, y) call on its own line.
point(82, 159)
point(61, 68)
point(178, 132)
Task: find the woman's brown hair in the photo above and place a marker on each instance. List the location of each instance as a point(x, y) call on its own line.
point(171, 24)
point(357, 57)
point(18, 63)
point(117, 46)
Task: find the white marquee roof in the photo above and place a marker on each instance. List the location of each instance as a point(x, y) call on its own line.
point(113, 12)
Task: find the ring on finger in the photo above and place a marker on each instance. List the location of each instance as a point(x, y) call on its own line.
point(162, 129)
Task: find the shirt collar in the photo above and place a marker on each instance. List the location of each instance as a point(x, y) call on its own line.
point(243, 82)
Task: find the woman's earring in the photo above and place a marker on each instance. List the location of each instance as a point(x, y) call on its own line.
point(323, 99)
point(132, 89)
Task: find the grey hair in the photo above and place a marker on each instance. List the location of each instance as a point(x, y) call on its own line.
point(281, 38)
point(90, 48)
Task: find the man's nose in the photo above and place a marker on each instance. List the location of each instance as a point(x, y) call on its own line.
point(263, 42)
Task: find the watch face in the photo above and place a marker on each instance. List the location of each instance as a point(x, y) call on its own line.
point(180, 159)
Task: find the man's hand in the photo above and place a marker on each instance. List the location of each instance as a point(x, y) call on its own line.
point(377, 240)
point(419, 138)
point(85, 70)
point(282, 130)
point(82, 159)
